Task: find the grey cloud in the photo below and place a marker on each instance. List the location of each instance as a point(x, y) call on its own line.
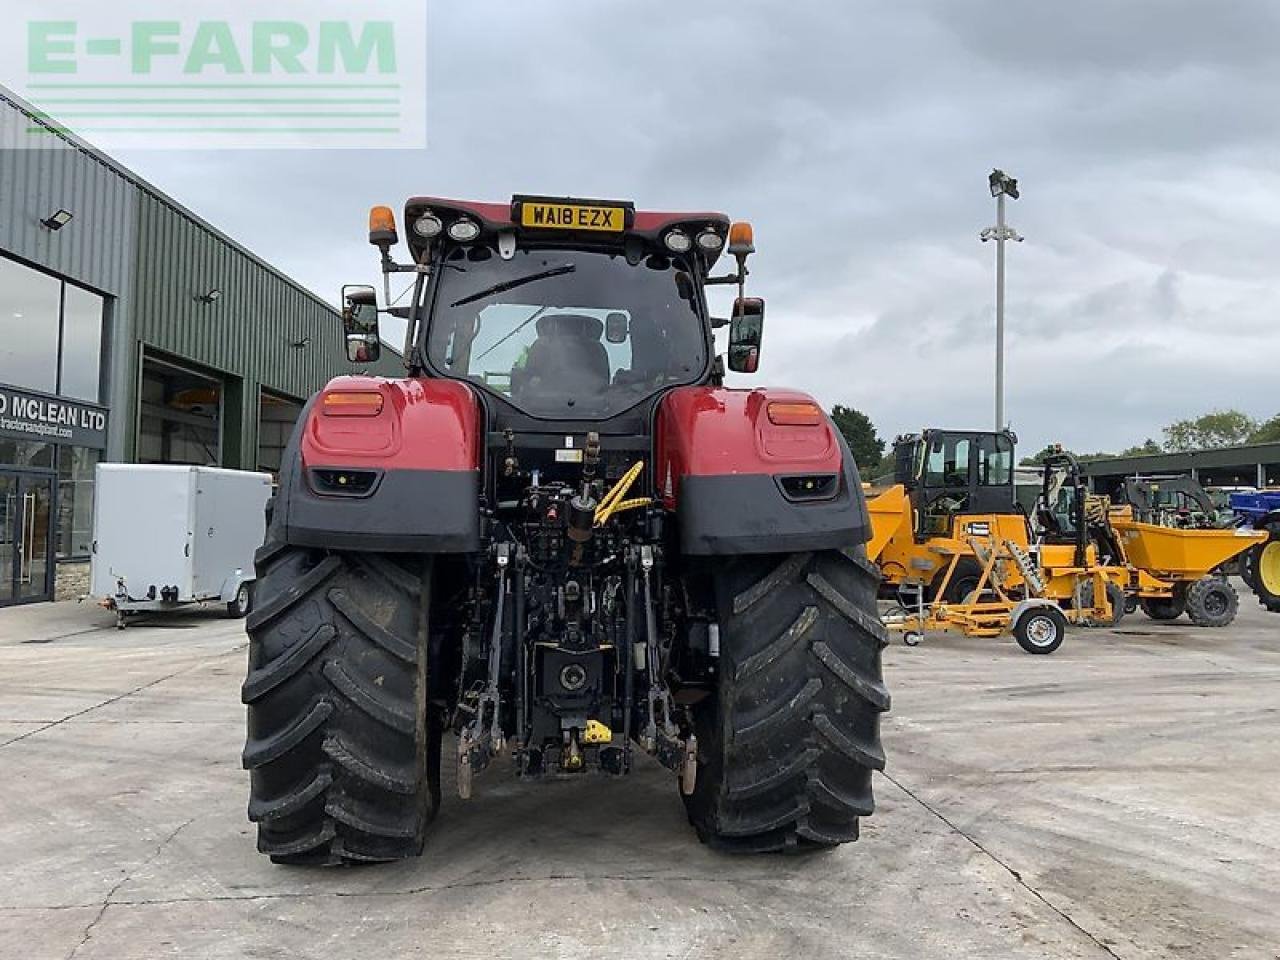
point(857, 137)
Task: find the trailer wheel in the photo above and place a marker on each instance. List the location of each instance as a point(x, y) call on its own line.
point(1212, 602)
point(1266, 569)
point(243, 602)
point(343, 751)
point(1040, 630)
point(788, 743)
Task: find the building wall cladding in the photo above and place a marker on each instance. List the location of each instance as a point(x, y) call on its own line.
point(251, 330)
point(1245, 465)
point(250, 333)
point(36, 182)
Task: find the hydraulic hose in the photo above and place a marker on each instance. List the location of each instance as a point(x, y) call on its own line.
point(614, 501)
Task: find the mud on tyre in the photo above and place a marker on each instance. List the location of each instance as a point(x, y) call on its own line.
point(787, 745)
point(342, 752)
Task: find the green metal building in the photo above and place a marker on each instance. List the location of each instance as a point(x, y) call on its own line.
point(130, 330)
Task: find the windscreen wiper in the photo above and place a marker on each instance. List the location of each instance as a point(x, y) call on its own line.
point(532, 317)
point(512, 284)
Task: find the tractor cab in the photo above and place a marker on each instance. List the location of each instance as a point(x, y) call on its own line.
point(949, 473)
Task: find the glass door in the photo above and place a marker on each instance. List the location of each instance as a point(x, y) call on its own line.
point(8, 537)
point(26, 526)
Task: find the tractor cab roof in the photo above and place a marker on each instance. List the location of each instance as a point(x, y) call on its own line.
point(566, 222)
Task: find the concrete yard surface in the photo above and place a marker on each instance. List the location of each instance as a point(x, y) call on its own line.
point(1115, 799)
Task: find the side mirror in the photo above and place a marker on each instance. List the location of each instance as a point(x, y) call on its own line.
point(360, 324)
point(745, 332)
point(616, 327)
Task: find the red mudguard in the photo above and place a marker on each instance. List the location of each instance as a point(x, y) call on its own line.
point(423, 425)
point(406, 478)
point(740, 483)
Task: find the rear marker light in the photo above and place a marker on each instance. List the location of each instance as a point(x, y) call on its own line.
point(344, 483)
point(352, 404)
point(794, 414)
point(814, 486)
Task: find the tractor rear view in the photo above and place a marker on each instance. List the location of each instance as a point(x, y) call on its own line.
point(561, 539)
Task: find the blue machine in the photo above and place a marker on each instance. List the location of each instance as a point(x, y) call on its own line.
point(1261, 567)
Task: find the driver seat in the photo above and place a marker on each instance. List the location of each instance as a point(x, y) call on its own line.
point(567, 357)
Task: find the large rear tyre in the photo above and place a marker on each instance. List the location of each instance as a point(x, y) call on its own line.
point(1265, 564)
point(343, 753)
point(1212, 602)
point(787, 745)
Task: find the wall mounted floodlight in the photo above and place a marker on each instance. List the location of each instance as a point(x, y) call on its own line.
point(58, 220)
point(211, 297)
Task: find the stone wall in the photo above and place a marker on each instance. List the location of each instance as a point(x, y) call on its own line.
point(71, 580)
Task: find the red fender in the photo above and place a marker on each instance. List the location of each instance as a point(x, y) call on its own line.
point(415, 457)
point(711, 431)
point(423, 425)
point(741, 481)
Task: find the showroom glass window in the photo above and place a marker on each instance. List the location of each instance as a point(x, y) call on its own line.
point(81, 344)
point(50, 334)
point(30, 318)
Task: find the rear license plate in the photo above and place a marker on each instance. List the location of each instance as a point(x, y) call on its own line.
point(572, 216)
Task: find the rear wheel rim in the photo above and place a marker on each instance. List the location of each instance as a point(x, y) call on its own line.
point(1215, 603)
point(1268, 572)
point(242, 596)
point(1041, 631)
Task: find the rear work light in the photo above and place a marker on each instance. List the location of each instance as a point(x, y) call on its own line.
point(353, 404)
point(464, 230)
point(801, 414)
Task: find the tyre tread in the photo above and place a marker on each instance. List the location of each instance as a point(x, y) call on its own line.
point(794, 727)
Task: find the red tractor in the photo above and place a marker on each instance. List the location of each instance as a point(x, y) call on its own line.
point(563, 540)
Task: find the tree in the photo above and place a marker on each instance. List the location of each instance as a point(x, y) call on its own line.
point(1221, 428)
point(859, 432)
point(1267, 432)
point(1144, 449)
point(1036, 459)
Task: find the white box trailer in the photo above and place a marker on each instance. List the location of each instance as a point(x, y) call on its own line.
point(164, 536)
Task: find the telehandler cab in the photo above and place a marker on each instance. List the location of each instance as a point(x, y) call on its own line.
point(563, 540)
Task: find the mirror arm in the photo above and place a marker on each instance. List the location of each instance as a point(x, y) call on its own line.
point(722, 281)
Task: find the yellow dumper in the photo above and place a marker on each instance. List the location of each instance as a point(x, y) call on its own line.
point(955, 488)
point(1171, 567)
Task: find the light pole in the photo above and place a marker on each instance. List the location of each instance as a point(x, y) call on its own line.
point(1002, 185)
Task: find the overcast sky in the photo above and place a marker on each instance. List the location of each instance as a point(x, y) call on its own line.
point(857, 137)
